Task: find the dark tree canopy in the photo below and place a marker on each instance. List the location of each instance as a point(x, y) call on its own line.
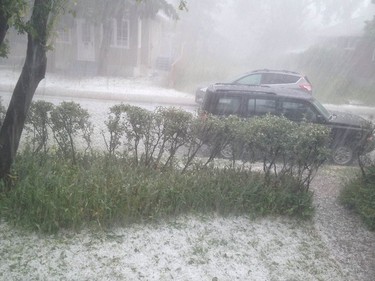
point(11, 15)
point(370, 26)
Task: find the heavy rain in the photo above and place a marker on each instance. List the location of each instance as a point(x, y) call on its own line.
point(159, 140)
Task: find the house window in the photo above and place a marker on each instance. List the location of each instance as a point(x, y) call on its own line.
point(63, 35)
point(86, 33)
point(120, 35)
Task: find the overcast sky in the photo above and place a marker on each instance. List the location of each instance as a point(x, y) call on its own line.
point(242, 28)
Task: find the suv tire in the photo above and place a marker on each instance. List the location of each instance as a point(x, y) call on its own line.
point(342, 155)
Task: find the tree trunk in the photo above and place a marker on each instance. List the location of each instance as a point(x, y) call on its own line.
point(32, 73)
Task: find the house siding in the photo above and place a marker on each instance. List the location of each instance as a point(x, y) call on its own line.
point(147, 44)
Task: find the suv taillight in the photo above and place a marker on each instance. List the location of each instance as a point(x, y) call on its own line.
point(203, 115)
point(306, 87)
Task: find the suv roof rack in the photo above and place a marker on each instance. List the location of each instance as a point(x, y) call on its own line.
point(261, 89)
point(275, 70)
point(233, 87)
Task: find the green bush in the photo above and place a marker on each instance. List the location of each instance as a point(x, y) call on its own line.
point(52, 194)
point(2, 113)
point(38, 123)
point(331, 73)
point(167, 137)
point(359, 195)
point(158, 173)
point(70, 121)
point(148, 136)
point(282, 146)
point(115, 127)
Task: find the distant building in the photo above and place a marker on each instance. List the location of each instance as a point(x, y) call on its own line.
point(359, 50)
point(138, 46)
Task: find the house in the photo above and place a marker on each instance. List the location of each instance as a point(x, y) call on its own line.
point(358, 50)
point(135, 46)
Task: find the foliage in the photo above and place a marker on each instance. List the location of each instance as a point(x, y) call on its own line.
point(11, 15)
point(167, 137)
point(68, 121)
point(14, 13)
point(50, 195)
point(284, 148)
point(146, 135)
point(38, 122)
point(359, 195)
point(151, 8)
point(158, 173)
point(116, 128)
point(173, 133)
point(331, 72)
point(2, 113)
point(370, 27)
point(138, 127)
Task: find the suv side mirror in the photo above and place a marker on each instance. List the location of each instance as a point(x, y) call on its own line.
point(320, 119)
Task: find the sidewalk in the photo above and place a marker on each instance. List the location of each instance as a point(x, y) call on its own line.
point(109, 88)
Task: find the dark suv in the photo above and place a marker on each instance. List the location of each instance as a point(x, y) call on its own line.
point(349, 132)
point(268, 78)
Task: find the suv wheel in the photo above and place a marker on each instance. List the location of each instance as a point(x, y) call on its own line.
point(342, 155)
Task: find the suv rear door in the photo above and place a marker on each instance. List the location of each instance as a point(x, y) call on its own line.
point(260, 105)
point(225, 104)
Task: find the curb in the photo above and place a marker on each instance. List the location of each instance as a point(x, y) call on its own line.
point(111, 96)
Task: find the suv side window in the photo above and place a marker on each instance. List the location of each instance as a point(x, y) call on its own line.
point(261, 106)
point(252, 79)
point(278, 78)
point(228, 105)
point(298, 110)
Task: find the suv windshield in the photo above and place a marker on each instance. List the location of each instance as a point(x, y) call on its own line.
point(322, 109)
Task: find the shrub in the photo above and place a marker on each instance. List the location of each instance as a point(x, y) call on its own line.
point(50, 195)
point(148, 136)
point(282, 146)
point(152, 179)
point(116, 128)
point(334, 76)
point(2, 113)
point(359, 195)
point(210, 133)
point(172, 133)
point(68, 121)
point(37, 124)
